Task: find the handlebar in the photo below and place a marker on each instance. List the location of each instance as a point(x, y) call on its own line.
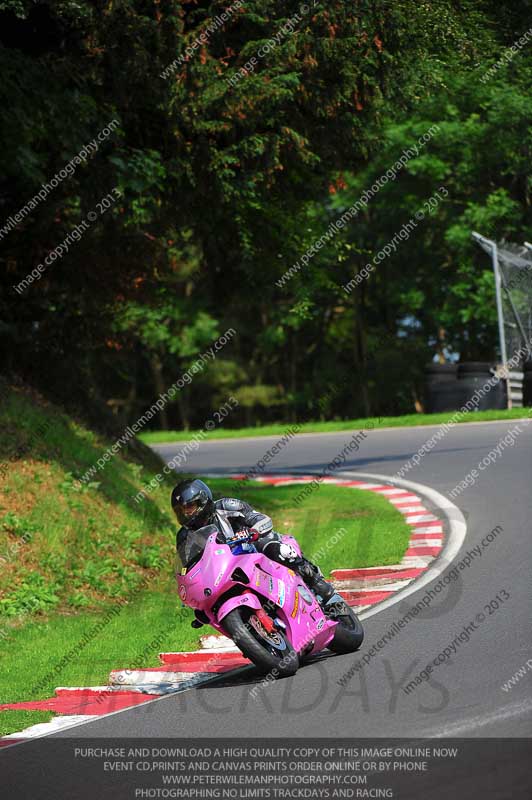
point(239, 537)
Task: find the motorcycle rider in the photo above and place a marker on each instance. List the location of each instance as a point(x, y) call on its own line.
point(194, 507)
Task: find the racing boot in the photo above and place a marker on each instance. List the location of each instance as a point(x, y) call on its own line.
point(312, 576)
point(283, 552)
point(200, 620)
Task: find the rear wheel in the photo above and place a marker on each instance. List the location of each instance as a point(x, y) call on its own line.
point(268, 650)
point(349, 633)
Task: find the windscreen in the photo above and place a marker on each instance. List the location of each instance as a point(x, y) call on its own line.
point(191, 547)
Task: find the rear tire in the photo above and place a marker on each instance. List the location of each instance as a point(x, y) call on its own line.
point(348, 634)
point(280, 659)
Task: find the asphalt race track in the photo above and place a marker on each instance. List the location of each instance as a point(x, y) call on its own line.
point(464, 697)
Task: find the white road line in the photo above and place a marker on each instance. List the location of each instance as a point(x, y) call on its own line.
point(385, 587)
point(428, 542)
point(456, 729)
point(421, 518)
point(47, 728)
point(395, 491)
point(134, 677)
point(436, 529)
point(218, 642)
point(406, 498)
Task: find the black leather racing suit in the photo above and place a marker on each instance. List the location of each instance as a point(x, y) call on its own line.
point(231, 515)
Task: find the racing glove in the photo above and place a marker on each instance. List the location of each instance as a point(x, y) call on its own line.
point(243, 535)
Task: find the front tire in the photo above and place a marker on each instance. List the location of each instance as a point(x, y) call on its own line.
point(349, 633)
point(271, 653)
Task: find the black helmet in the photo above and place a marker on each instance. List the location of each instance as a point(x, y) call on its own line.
point(193, 504)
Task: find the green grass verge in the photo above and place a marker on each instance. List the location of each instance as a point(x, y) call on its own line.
point(89, 562)
point(408, 420)
point(130, 639)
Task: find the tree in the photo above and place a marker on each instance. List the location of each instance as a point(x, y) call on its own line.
point(233, 141)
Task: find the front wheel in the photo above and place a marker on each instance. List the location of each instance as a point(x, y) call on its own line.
point(269, 651)
point(349, 633)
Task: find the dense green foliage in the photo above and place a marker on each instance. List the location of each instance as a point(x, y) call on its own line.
point(225, 179)
point(66, 544)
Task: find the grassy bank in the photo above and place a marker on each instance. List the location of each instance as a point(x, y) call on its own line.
point(86, 574)
point(32, 661)
point(408, 420)
point(70, 553)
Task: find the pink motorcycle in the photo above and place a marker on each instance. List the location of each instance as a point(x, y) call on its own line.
point(264, 607)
